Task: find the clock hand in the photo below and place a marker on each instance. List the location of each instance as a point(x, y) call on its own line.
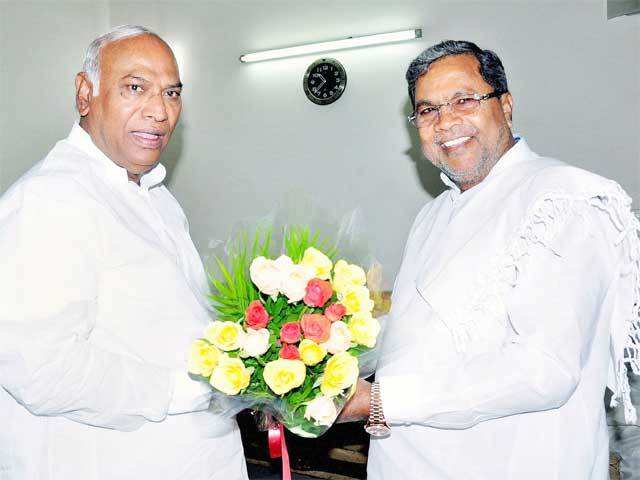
point(315, 90)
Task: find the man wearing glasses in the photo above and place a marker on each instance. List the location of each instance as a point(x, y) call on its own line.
point(516, 303)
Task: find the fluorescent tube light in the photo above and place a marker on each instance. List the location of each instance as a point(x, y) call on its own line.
point(350, 42)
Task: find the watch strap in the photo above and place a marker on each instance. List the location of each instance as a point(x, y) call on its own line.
point(376, 415)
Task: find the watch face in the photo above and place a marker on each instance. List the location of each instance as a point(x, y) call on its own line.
point(324, 81)
point(377, 429)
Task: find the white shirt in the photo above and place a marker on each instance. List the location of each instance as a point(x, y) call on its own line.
point(513, 390)
point(101, 294)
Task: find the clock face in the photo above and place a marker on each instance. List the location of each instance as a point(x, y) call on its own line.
point(324, 81)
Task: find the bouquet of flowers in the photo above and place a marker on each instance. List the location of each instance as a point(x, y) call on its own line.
point(290, 331)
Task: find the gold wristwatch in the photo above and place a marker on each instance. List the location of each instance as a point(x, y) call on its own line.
point(376, 425)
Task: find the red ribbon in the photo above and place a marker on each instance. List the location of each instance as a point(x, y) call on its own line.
point(278, 448)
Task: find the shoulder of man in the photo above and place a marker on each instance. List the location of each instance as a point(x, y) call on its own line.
point(430, 205)
point(558, 192)
point(558, 179)
point(60, 179)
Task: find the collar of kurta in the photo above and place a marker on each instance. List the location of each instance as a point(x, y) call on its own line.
point(79, 138)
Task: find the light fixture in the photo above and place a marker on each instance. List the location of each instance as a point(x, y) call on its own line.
point(350, 42)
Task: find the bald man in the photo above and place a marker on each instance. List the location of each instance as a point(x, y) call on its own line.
point(101, 291)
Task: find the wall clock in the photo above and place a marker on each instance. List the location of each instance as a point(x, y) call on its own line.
point(324, 81)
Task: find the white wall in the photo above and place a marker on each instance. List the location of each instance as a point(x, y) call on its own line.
point(249, 137)
point(41, 50)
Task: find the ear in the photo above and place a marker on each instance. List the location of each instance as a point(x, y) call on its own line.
point(84, 93)
point(506, 101)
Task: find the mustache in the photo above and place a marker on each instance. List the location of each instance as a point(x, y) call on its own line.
point(456, 131)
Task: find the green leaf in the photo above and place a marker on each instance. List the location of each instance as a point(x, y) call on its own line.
point(232, 288)
point(358, 350)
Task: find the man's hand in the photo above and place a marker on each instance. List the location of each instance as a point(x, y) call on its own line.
point(357, 408)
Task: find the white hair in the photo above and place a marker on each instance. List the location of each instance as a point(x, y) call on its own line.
point(91, 64)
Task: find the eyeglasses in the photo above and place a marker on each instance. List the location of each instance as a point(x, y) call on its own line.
point(426, 115)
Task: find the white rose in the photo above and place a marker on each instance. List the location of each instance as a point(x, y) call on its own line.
point(322, 410)
point(339, 338)
point(284, 264)
point(255, 343)
point(266, 275)
point(294, 285)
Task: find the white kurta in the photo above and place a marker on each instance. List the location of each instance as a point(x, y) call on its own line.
point(101, 293)
point(502, 376)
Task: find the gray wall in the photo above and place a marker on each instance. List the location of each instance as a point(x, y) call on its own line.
point(249, 137)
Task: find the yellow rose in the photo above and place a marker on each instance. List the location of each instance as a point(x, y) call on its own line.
point(356, 299)
point(341, 372)
point(319, 262)
point(225, 335)
point(283, 375)
point(203, 358)
point(364, 329)
point(310, 352)
point(346, 275)
point(230, 376)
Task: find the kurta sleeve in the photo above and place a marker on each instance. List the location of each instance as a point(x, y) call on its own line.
point(554, 311)
point(51, 254)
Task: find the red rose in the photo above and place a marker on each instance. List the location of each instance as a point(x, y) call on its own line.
point(256, 316)
point(335, 312)
point(290, 332)
point(289, 352)
point(316, 327)
point(318, 292)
